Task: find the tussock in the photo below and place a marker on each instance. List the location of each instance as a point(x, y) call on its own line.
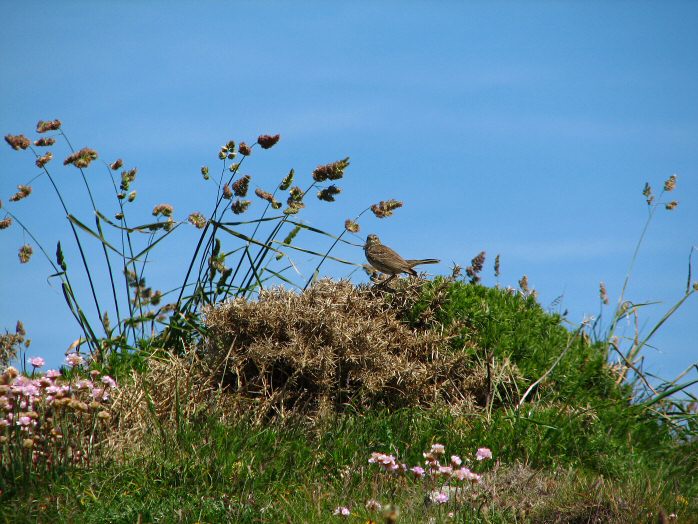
point(335, 345)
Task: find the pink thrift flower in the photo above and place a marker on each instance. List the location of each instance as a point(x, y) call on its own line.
point(106, 379)
point(445, 470)
point(342, 511)
point(437, 449)
point(439, 498)
point(52, 373)
point(100, 394)
point(417, 471)
point(37, 362)
point(24, 421)
point(84, 384)
point(483, 453)
point(373, 505)
point(456, 460)
point(74, 359)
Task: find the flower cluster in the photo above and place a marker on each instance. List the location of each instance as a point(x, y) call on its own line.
point(241, 185)
point(23, 192)
point(333, 171)
point(385, 208)
point(267, 141)
point(51, 125)
point(49, 420)
point(43, 160)
point(17, 141)
point(475, 267)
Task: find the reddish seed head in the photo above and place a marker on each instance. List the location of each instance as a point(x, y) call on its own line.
point(267, 141)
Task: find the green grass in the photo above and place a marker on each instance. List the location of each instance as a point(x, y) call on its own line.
point(583, 447)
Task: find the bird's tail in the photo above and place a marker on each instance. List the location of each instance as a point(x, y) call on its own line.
point(413, 263)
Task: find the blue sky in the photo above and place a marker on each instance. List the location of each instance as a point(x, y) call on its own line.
point(524, 130)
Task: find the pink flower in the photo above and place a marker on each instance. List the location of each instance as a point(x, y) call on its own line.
point(456, 460)
point(37, 362)
point(445, 470)
point(74, 359)
point(417, 471)
point(84, 384)
point(24, 421)
point(483, 453)
point(52, 373)
point(373, 505)
point(106, 379)
point(437, 449)
point(439, 498)
point(342, 511)
point(465, 474)
point(100, 394)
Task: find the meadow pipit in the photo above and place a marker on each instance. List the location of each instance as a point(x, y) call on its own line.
point(388, 261)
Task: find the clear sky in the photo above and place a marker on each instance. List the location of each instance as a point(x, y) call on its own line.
point(524, 129)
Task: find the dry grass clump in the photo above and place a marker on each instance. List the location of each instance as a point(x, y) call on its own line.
point(332, 345)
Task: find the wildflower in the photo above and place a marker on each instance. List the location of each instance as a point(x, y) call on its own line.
point(241, 185)
point(437, 449)
point(82, 158)
point(43, 160)
point(385, 208)
point(244, 149)
point(84, 384)
point(671, 205)
point(227, 192)
point(328, 193)
point(445, 470)
point(670, 183)
point(351, 226)
point(53, 373)
point(24, 421)
point(342, 511)
point(5, 223)
point(265, 195)
point(483, 453)
point(602, 293)
point(165, 210)
point(25, 253)
point(17, 141)
point(333, 171)
point(116, 165)
point(266, 141)
point(287, 181)
point(24, 192)
point(440, 497)
point(74, 359)
point(37, 362)
point(106, 379)
point(44, 142)
point(51, 125)
point(456, 460)
point(373, 505)
point(99, 394)
point(418, 471)
point(198, 220)
point(127, 177)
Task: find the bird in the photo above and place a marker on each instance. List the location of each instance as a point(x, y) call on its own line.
point(388, 261)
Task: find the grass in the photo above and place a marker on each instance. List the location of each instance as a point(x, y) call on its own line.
point(268, 408)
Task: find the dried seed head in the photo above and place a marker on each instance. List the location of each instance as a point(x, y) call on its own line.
point(132, 196)
point(103, 415)
point(24, 192)
point(240, 206)
point(603, 295)
point(295, 195)
point(244, 149)
point(496, 267)
point(241, 186)
point(671, 205)
point(127, 177)
point(266, 141)
point(119, 216)
point(264, 195)
point(456, 271)
point(115, 166)
point(51, 125)
point(198, 220)
point(293, 207)
point(647, 192)
point(44, 141)
point(670, 183)
point(523, 284)
point(287, 181)
point(25, 253)
point(328, 193)
point(333, 171)
point(5, 223)
point(43, 160)
point(351, 226)
point(385, 208)
point(169, 225)
point(227, 192)
point(473, 270)
point(19, 328)
point(82, 158)
point(695, 286)
point(204, 172)
point(165, 210)
point(17, 141)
